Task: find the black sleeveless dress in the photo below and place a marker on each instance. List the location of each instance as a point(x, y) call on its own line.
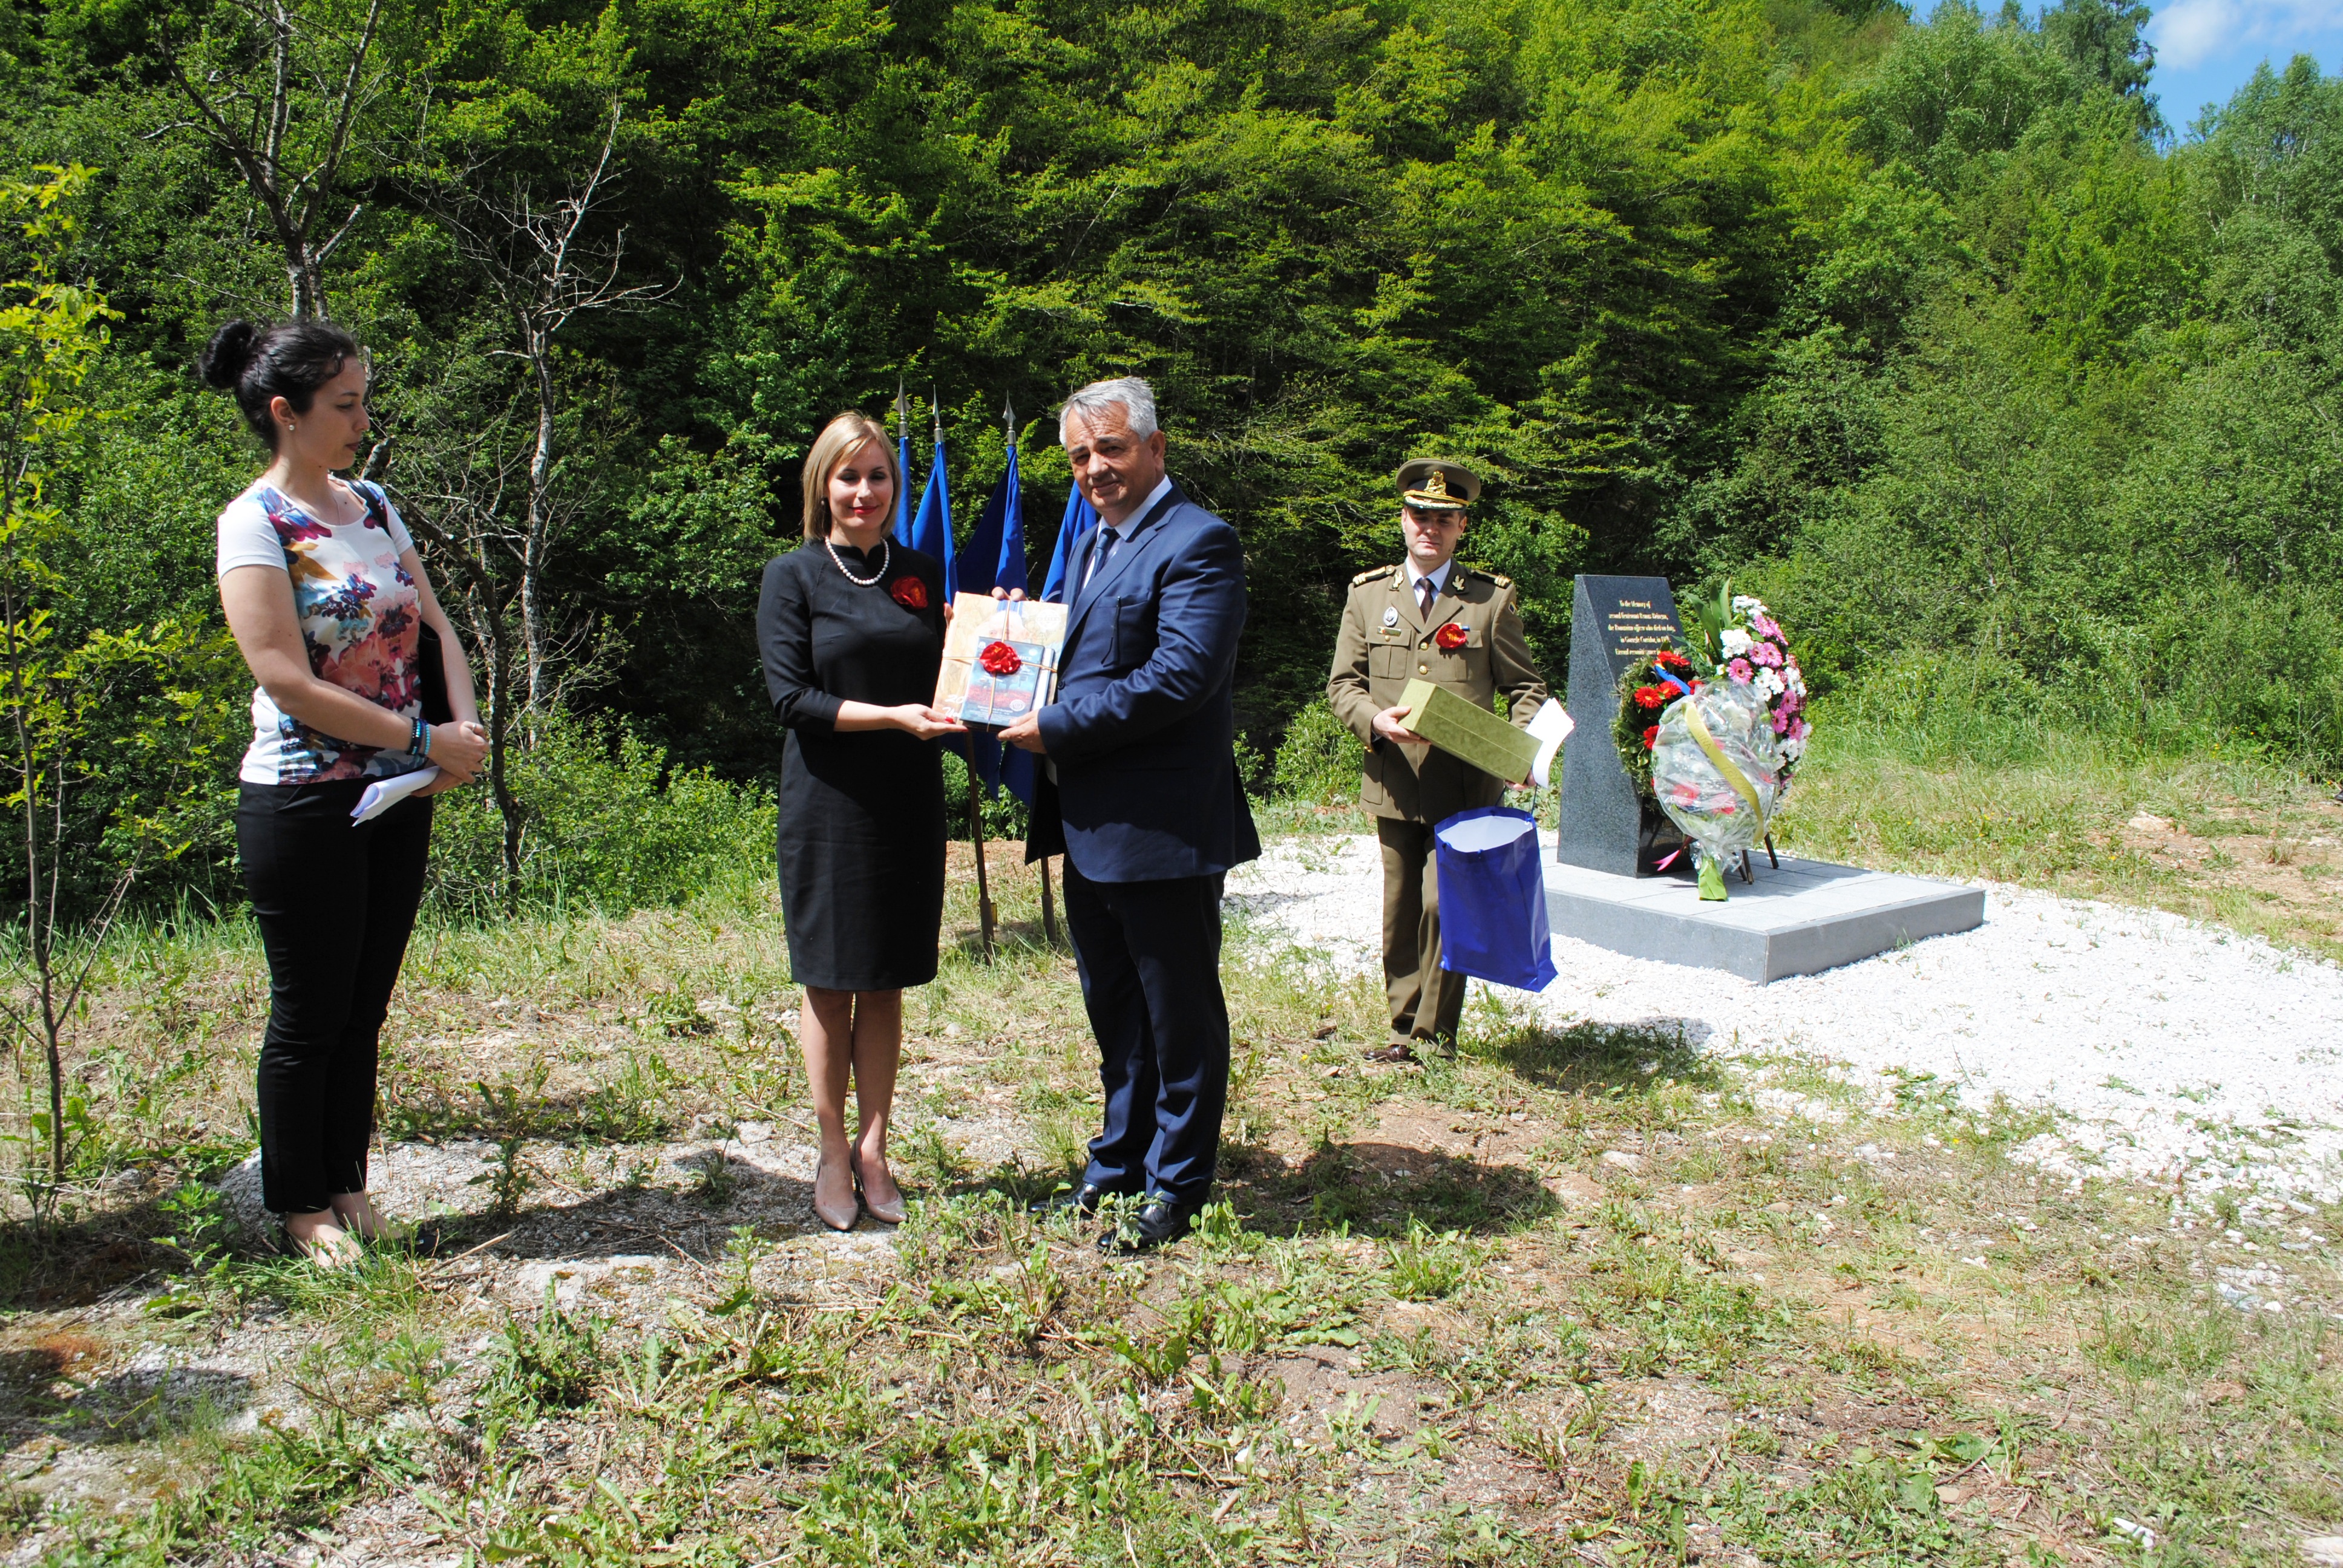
point(862, 839)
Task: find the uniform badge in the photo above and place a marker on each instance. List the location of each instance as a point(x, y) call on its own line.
point(1391, 615)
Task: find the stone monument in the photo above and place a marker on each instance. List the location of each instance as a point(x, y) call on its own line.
point(1798, 917)
point(1614, 622)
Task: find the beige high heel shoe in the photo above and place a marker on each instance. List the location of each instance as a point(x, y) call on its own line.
point(853, 1215)
point(885, 1213)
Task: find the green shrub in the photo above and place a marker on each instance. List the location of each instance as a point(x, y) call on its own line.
point(1004, 814)
point(1317, 760)
point(2260, 666)
point(607, 826)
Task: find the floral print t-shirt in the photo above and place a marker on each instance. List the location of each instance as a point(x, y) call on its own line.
point(360, 613)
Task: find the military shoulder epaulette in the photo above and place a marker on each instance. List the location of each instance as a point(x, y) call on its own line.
point(1498, 577)
point(1363, 578)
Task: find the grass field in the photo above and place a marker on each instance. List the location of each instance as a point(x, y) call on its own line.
point(1575, 1298)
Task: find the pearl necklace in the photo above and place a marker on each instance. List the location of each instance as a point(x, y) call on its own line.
point(886, 552)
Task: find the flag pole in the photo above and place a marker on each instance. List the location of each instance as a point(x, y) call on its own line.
point(976, 837)
point(1048, 899)
point(975, 803)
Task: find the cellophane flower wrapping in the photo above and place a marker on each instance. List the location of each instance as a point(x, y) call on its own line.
point(1690, 789)
point(1754, 649)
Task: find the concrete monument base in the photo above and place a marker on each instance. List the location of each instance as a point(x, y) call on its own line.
point(1805, 916)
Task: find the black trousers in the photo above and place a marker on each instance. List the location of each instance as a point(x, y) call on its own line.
point(335, 901)
point(1149, 954)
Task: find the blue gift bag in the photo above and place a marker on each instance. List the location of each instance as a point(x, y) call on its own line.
point(1493, 899)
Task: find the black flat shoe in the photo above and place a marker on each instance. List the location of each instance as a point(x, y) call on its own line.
point(1085, 1200)
point(1160, 1222)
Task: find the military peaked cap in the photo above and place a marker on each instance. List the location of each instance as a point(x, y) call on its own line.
point(1435, 483)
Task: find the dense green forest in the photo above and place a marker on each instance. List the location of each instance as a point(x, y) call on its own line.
point(1937, 330)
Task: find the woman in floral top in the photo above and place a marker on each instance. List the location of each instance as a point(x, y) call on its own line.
point(328, 600)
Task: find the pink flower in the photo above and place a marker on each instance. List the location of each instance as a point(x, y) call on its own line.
point(1798, 728)
point(1767, 654)
point(1789, 703)
point(1739, 669)
point(1763, 627)
point(1781, 722)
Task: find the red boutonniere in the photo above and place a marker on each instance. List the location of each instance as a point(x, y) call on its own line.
point(1652, 737)
point(1000, 659)
point(1450, 637)
point(909, 592)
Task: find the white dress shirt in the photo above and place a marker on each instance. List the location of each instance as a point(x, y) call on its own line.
point(1439, 579)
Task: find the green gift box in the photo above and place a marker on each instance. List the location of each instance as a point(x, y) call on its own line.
point(1469, 732)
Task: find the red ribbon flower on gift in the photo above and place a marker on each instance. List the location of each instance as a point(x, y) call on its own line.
point(1450, 637)
point(909, 592)
point(1000, 659)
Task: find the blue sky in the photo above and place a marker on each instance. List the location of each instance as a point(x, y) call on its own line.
point(2207, 49)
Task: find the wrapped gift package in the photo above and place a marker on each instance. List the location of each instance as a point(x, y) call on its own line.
point(1000, 659)
point(1470, 733)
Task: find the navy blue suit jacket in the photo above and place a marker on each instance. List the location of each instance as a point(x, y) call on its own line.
point(1143, 729)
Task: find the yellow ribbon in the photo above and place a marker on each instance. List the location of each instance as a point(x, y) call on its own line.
point(1732, 776)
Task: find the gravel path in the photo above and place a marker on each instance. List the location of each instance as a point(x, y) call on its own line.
point(2168, 1048)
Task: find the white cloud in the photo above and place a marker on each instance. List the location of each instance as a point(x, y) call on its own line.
point(2189, 32)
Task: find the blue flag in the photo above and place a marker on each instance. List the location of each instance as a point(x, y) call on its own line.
point(903, 490)
point(931, 529)
point(1072, 529)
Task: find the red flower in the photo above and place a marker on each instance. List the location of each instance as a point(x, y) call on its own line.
point(1653, 696)
point(1000, 659)
point(1450, 637)
point(1668, 658)
point(1652, 739)
point(909, 592)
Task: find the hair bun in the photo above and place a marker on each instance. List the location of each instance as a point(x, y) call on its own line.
point(224, 363)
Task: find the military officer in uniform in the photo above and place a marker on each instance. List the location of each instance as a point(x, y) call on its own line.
point(1425, 618)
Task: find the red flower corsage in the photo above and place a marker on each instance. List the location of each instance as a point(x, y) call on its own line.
point(909, 592)
point(1652, 739)
point(1000, 659)
point(1450, 637)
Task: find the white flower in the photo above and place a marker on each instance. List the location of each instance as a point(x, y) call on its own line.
point(1736, 642)
point(1745, 605)
point(1769, 683)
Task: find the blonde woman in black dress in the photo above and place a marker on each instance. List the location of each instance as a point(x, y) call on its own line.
point(851, 624)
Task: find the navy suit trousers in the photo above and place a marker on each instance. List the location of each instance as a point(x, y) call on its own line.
point(1149, 954)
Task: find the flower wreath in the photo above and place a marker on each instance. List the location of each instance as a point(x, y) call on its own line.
point(1644, 693)
point(1734, 638)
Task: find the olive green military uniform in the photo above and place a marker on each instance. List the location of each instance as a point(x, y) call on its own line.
point(1387, 642)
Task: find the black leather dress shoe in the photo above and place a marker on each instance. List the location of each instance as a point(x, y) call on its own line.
point(1160, 1222)
point(1083, 1200)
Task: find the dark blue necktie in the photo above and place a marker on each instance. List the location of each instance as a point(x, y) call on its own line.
point(1100, 558)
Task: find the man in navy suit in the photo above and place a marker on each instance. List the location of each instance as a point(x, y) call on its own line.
point(1141, 794)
